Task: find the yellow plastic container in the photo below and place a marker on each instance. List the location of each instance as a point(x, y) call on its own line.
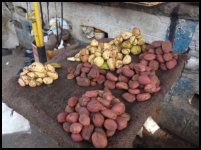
point(49, 54)
point(98, 34)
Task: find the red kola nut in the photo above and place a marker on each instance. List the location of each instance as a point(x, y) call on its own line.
point(61, 117)
point(118, 108)
point(76, 127)
point(110, 124)
point(72, 117)
point(72, 101)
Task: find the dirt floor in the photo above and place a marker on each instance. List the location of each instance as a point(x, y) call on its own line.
point(11, 64)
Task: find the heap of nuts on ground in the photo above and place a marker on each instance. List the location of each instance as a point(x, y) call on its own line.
point(138, 80)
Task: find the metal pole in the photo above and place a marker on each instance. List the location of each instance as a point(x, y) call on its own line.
point(48, 13)
point(56, 26)
point(41, 47)
point(61, 22)
point(34, 26)
point(38, 21)
point(41, 12)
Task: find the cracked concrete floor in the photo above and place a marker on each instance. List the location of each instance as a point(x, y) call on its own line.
point(37, 139)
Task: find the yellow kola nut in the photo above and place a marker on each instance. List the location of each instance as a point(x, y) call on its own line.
point(39, 74)
point(26, 79)
point(88, 46)
point(77, 59)
point(132, 38)
point(127, 59)
point(99, 61)
point(139, 37)
point(141, 41)
point(126, 44)
point(53, 75)
point(84, 52)
point(97, 54)
point(50, 68)
point(136, 31)
point(119, 56)
point(119, 63)
point(118, 39)
point(115, 48)
point(135, 42)
point(36, 66)
point(107, 46)
point(32, 83)
point(77, 55)
point(56, 65)
point(94, 42)
point(26, 68)
point(113, 54)
point(91, 58)
point(21, 82)
point(71, 58)
point(31, 74)
point(48, 80)
point(111, 63)
point(111, 42)
point(24, 72)
point(100, 45)
point(125, 51)
point(92, 50)
point(99, 49)
point(39, 81)
point(106, 54)
point(126, 35)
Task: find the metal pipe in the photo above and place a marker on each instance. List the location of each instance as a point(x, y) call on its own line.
point(61, 22)
point(38, 21)
point(56, 26)
point(41, 12)
point(48, 13)
point(34, 26)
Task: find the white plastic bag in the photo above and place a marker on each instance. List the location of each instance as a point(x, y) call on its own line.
point(13, 123)
point(192, 63)
point(66, 24)
point(88, 31)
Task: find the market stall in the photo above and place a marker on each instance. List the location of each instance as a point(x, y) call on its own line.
point(41, 105)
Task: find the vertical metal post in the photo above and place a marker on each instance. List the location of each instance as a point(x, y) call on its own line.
point(34, 26)
point(38, 21)
point(41, 47)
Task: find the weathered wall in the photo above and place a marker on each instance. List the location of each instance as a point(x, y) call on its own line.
point(109, 19)
point(112, 20)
